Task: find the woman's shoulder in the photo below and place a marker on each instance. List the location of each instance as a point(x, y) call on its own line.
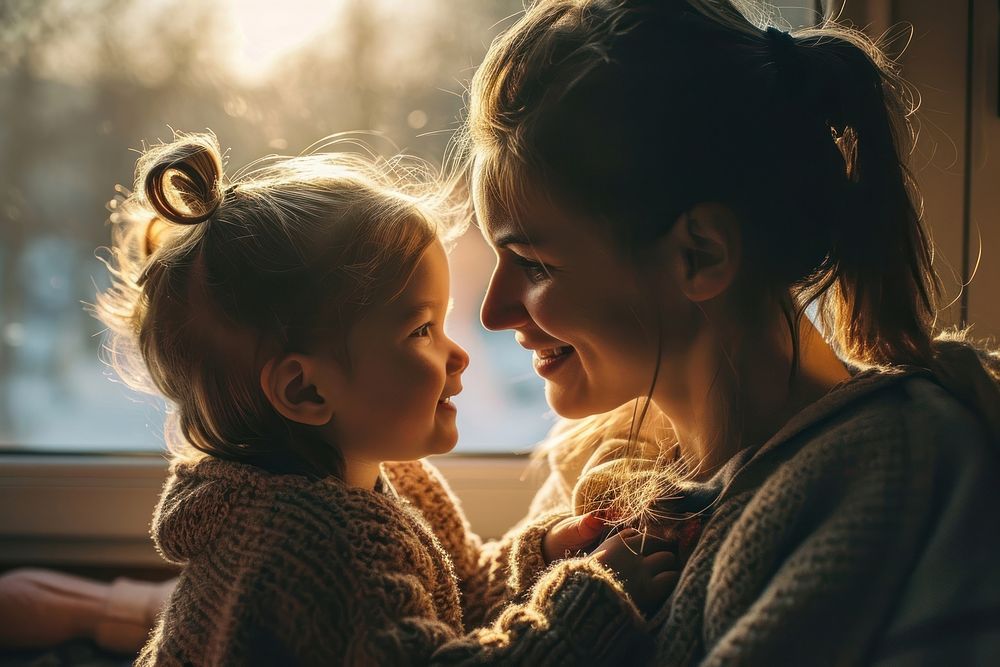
point(918, 413)
point(900, 432)
point(882, 410)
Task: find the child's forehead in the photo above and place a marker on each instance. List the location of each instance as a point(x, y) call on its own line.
point(407, 309)
point(427, 289)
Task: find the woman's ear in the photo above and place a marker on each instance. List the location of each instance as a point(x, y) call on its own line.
point(301, 388)
point(703, 249)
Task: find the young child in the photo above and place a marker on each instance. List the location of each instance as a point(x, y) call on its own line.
point(293, 319)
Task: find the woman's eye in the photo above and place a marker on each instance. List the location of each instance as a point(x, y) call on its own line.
point(536, 271)
point(422, 331)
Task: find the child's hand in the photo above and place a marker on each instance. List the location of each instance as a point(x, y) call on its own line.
point(644, 564)
point(572, 535)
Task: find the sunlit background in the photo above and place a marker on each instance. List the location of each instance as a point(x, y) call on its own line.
point(82, 84)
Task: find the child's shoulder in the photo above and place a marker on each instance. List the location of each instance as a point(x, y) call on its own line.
point(266, 547)
point(218, 505)
point(415, 478)
point(422, 484)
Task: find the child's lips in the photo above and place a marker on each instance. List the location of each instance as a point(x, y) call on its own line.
point(445, 400)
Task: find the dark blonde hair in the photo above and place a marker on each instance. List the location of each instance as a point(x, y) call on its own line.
point(630, 112)
point(668, 104)
point(210, 279)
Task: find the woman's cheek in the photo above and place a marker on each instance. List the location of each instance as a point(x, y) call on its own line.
point(548, 309)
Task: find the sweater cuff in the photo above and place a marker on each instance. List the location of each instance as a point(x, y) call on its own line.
point(592, 614)
point(527, 559)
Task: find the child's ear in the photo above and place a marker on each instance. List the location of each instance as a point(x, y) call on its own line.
point(300, 387)
point(703, 250)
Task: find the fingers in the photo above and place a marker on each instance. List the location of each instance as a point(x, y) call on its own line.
point(663, 584)
point(572, 535)
point(589, 528)
point(661, 561)
point(666, 580)
point(640, 543)
point(647, 566)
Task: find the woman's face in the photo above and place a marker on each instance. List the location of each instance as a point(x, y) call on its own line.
point(583, 310)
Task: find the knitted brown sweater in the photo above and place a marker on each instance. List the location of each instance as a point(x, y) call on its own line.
point(283, 570)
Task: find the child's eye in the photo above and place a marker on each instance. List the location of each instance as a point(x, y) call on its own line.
point(422, 331)
point(536, 271)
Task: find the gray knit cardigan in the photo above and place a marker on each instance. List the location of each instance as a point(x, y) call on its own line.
point(867, 531)
point(281, 570)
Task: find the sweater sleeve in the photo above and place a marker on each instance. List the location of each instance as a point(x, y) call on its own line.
point(490, 574)
point(577, 613)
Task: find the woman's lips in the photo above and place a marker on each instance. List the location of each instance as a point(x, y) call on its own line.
point(548, 361)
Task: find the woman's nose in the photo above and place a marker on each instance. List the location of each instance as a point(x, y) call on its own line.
point(502, 307)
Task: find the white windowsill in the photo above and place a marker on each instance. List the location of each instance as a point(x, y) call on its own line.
point(95, 510)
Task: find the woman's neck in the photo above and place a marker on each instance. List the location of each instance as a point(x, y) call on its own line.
point(701, 406)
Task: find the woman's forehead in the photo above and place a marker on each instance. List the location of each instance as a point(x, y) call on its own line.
point(508, 211)
point(502, 228)
point(515, 208)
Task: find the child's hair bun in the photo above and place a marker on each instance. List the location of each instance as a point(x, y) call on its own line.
point(183, 180)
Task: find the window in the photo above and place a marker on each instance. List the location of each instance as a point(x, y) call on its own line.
point(81, 83)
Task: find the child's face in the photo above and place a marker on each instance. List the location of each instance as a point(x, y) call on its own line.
point(404, 369)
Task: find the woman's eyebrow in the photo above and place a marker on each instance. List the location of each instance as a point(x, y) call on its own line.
point(514, 238)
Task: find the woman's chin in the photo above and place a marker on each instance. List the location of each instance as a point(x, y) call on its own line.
point(574, 403)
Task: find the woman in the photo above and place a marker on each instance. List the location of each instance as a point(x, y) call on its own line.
point(668, 187)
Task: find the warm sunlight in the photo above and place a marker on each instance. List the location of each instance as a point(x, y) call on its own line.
point(265, 31)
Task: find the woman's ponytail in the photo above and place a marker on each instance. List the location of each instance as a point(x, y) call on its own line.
point(878, 293)
point(881, 301)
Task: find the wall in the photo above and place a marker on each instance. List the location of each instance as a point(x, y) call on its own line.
point(955, 161)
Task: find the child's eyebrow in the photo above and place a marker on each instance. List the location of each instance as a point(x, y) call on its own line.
point(422, 307)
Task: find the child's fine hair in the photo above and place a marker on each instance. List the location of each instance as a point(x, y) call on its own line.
point(211, 278)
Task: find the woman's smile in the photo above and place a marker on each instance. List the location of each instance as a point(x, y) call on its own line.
point(548, 361)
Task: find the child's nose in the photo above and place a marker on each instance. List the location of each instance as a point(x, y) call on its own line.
point(458, 360)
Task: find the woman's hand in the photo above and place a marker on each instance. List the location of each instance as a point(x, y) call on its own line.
point(645, 565)
point(571, 536)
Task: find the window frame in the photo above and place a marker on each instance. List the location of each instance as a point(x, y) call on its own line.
point(68, 509)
